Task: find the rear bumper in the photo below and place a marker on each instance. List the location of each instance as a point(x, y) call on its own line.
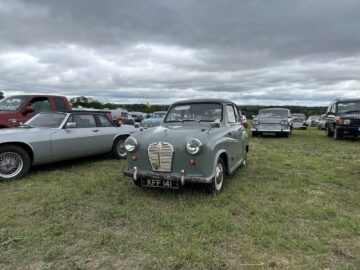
point(136, 174)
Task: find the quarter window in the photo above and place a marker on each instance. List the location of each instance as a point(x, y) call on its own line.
point(84, 120)
point(104, 122)
point(231, 113)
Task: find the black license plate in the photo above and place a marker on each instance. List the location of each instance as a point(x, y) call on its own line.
point(161, 183)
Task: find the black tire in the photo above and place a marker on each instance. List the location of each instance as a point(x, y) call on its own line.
point(217, 183)
point(244, 163)
point(337, 135)
point(328, 132)
point(14, 162)
point(118, 149)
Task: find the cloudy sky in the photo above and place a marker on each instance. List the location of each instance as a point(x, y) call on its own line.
point(253, 52)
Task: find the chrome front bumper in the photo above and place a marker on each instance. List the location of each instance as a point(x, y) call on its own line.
point(271, 130)
point(182, 177)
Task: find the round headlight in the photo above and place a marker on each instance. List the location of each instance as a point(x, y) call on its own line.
point(255, 122)
point(130, 144)
point(284, 122)
point(193, 146)
point(347, 122)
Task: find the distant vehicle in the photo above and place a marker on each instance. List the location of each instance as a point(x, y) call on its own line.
point(137, 116)
point(299, 120)
point(155, 119)
point(272, 121)
point(50, 137)
point(322, 123)
point(313, 120)
point(200, 141)
point(16, 110)
point(343, 118)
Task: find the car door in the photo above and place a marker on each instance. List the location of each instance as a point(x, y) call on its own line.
point(235, 130)
point(106, 132)
point(83, 140)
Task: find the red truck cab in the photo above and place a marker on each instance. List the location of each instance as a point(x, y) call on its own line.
point(16, 110)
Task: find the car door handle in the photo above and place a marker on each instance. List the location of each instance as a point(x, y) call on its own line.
point(95, 130)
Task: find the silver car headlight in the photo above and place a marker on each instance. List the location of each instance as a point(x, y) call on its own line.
point(130, 144)
point(284, 122)
point(193, 146)
point(255, 122)
point(347, 122)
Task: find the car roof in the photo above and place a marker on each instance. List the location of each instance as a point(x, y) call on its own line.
point(204, 100)
point(346, 100)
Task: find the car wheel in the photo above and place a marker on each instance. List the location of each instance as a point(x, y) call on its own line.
point(337, 135)
point(118, 150)
point(244, 163)
point(14, 162)
point(217, 183)
point(328, 131)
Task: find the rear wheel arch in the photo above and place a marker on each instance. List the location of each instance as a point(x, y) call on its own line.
point(24, 146)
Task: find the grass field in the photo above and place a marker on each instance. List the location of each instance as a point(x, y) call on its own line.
point(295, 206)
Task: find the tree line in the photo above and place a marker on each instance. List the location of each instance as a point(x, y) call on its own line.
point(248, 110)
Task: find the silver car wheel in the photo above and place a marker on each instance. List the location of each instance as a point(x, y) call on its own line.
point(219, 176)
point(11, 164)
point(120, 148)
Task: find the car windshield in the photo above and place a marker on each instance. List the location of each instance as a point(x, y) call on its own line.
point(207, 112)
point(49, 120)
point(348, 107)
point(274, 113)
point(159, 115)
point(11, 103)
point(298, 116)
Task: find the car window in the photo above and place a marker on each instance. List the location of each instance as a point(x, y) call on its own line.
point(11, 103)
point(207, 112)
point(40, 105)
point(231, 114)
point(60, 104)
point(50, 120)
point(83, 120)
point(104, 122)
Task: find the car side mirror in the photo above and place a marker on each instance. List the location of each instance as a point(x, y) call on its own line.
point(215, 124)
point(70, 125)
point(29, 109)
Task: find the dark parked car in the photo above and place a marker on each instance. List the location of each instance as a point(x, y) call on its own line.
point(199, 141)
point(343, 118)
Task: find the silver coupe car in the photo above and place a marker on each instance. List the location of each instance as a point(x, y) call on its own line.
point(50, 137)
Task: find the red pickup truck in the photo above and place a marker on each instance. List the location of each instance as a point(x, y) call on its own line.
point(16, 110)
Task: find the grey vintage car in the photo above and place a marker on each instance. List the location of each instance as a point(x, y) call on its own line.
point(272, 121)
point(155, 120)
point(50, 137)
point(199, 141)
point(299, 120)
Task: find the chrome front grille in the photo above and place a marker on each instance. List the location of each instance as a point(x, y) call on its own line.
point(355, 122)
point(160, 156)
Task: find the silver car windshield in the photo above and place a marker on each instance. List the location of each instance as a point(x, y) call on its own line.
point(349, 107)
point(11, 103)
point(49, 120)
point(207, 112)
point(274, 113)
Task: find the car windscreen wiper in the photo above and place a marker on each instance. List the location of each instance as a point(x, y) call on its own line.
point(26, 126)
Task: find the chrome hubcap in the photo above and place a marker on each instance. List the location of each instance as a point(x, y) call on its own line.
point(11, 164)
point(121, 148)
point(219, 176)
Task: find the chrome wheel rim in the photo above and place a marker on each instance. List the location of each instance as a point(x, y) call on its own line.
point(120, 147)
point(219, 176)
point(11, 164)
